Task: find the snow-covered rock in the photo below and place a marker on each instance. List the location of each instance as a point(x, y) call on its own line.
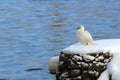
point(111, 45)
point(89, 66)
point(53, 64)
point(96, 62)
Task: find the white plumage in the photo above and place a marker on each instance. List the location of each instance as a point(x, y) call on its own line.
point(84, 36)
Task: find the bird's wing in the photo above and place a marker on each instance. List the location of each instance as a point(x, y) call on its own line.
point(87, 36)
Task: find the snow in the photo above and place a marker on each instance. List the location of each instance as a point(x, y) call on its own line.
point(53, 64)
point(104, 76)
point(107, 45)
point(114, 67)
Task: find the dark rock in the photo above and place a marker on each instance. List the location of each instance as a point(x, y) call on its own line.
point(100, 54)
point(62, 57)
point(82, 67)
point(88, 58)
point(106, 60)
point(85, 75)
point(93, 54)
point(92, 67)
point(64, 76)
point(68, 79)
point(101, 58)
point(74, 73)
point(77, 58)
point(106, 55)
point(77, 78)
point(62, 65)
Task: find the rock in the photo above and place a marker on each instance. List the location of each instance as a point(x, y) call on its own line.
point(88, 58)
point(68, 79)
point(62, 65)
point(72, 65)
point(62, 57)
point(77, 78)
point(85, 65)
point(77, 58)
point(101, 58)
point(64, 76)
point(106, 55)
point(92, 66)
point(74, 73)
point(82, 67)
point(93, 54)
point(100, 54)
point(106, 60)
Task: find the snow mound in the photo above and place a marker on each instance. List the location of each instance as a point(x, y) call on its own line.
point(114, 67)
point(107, 45)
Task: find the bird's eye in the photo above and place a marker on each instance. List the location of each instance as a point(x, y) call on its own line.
point(78, 28)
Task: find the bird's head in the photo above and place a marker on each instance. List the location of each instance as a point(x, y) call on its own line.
point(81, 28)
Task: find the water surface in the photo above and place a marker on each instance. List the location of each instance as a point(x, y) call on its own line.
point(32, 31)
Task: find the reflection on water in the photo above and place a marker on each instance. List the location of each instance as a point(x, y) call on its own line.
point(32, 31)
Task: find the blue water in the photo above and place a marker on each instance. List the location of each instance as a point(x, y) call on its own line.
point(32, 31)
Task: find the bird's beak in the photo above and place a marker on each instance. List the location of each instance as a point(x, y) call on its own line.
point(78, 28)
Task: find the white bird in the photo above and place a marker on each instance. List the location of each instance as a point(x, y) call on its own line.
point(84, 36)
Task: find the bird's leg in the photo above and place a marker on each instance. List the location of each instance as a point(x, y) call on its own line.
point(88, 43)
